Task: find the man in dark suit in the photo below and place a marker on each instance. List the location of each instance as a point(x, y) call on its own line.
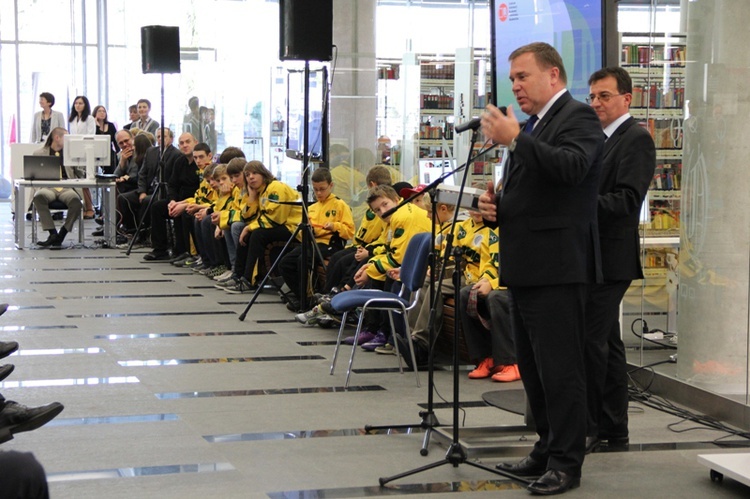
point(549, 240)
point(628, 167)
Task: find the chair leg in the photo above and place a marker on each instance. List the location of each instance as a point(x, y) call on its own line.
point(81, 233)
point(411, 346)
point(338, 342)
point(354, 346)
point(395, 343)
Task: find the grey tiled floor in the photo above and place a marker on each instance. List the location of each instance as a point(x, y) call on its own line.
point(160, 404)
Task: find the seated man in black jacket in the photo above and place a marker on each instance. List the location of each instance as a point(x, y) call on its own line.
point(183, 181)
point(132, 205)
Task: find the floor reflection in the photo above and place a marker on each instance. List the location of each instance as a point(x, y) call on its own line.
point(267, 391)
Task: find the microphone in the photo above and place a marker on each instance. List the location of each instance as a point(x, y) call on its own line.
point(474, 123)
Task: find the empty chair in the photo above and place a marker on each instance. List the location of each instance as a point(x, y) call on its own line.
point(413, 272)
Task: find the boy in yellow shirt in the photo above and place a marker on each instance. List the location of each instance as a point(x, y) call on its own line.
point(331, 220)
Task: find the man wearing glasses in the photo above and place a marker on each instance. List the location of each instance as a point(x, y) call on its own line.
point(628, 167)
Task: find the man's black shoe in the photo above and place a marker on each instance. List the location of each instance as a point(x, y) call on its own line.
point(99, 220)
point(527, 466)
point(157, 256)
point(52, 239)
point(554, 482)
point(17, 418)
point(98, 233)
point(7, 348)
point(3, 308)
point(5, 370)
point(592, 443)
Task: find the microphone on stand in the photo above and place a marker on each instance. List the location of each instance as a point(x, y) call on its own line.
point(474, 123)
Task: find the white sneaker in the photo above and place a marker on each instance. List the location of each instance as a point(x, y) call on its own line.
point(223, 277)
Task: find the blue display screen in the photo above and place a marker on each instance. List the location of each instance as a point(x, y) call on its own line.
point(573, 27)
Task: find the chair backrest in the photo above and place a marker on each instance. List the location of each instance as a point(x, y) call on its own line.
point(416, 258)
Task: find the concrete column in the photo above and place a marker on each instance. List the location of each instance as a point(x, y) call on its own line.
point(715, 218)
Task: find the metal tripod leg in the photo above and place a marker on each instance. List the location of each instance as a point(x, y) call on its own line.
point(275, 264)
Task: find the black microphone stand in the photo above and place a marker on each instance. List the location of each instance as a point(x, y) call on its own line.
point(456, 454)
point(304, 227)
point(161, 186)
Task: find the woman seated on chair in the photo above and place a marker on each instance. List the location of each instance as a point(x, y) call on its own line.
point(44, 196)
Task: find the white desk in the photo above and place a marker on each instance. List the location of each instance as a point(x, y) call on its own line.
point(736, 466)
point(109, 197)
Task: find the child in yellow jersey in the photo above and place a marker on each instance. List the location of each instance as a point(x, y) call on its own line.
point(210, 248)
point(485, 319)
point(231, 216)
point(418, 317)
point(332, 225)
point(268, 219)
point(343, 264)
point(402, 225)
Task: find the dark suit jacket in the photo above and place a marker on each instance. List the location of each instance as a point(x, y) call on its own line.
point(150, 168)
point(547, 212)
point(627, 170)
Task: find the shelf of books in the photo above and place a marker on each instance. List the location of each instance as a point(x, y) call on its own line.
point(656, 63)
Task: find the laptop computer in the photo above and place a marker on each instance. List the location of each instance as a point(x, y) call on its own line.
point(42, 167)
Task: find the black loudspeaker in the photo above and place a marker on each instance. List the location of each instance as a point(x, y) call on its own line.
point(160, 49)
point(306, 30)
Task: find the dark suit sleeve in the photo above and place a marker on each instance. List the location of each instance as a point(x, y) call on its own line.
point(633, 173)
point(567, 160)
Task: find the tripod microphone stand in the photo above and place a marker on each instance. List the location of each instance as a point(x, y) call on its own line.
point(304, 227)
point(161, 186)
point(455, 454)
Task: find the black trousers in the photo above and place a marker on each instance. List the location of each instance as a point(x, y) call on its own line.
point(498, 341)
point(159, 232)
point(606, 365)
point(257, 242)
point(290, 266)
point(131, 211)
point(21, 475)
point(548, 327)
point(340, 267)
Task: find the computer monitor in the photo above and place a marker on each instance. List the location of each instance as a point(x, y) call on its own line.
point(87, 151)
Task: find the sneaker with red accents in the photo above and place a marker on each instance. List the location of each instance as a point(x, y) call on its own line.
point(506, 374)
point(483, 370)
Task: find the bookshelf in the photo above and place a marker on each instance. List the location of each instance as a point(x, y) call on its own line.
point(656, 64)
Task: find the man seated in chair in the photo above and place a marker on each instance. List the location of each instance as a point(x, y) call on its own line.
point(44, 196)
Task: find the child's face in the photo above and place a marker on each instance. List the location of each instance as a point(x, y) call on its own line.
point(322, 189)
point(238, 180)
point(443, 213)
point(381, 205)
point(225, 183)
point(419, 201)
point(213, 183)
point(254, 180)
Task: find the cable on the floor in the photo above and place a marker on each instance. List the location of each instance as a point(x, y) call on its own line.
point(645, 330)
point(643, 396)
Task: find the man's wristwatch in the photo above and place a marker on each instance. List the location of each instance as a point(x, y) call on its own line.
point(512, 145)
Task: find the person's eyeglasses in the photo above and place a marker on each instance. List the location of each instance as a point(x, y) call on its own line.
point(603, 97)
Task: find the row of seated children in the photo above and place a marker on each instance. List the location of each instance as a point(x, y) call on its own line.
point(489, 339)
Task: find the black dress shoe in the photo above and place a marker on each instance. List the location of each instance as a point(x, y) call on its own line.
point(17, 418)
point(52, 239)
point(7, 348)
point(3, 308)
point(591, 444)
point(554, 482)
point(5, 370)
point(527, 466)
point(157, 256)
